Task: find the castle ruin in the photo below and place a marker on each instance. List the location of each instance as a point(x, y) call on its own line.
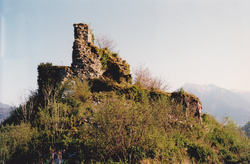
point(88, 62)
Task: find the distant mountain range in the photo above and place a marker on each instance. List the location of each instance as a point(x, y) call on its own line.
point(4, 111)
point(221, 102)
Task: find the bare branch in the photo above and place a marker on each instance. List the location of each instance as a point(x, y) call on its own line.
point(144, 78)
point(105, 41)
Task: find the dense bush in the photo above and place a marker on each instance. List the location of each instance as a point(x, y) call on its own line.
point(16, 142)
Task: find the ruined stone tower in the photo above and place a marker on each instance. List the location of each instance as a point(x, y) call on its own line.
point(88, 62)
point(85, 62)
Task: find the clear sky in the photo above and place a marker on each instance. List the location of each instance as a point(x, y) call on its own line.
point(183, 41)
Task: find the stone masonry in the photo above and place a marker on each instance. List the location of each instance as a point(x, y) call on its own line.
point(85, 63)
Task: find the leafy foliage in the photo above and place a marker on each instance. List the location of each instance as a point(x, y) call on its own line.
point(114, 67)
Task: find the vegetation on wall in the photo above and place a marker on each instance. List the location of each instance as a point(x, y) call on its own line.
point(114, 67)
point(49, 77)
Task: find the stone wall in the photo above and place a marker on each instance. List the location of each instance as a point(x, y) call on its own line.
point(83, 32)
point(86, 63)
point(50, 76)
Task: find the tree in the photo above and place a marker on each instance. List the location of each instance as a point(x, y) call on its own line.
point(145, 79)
point(105, 41)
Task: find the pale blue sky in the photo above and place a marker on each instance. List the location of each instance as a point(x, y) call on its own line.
point(188, 41)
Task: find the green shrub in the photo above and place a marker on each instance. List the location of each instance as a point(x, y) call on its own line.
point(138, 94)
point(202, 153)
point(15, 141)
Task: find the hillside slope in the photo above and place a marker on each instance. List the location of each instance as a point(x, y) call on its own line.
point(121, 124)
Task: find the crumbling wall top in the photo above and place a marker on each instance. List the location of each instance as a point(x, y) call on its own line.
point(83, 32)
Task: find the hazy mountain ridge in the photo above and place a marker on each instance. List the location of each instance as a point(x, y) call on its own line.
point(4, 111)
point(221, 102)
point(244, 94)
